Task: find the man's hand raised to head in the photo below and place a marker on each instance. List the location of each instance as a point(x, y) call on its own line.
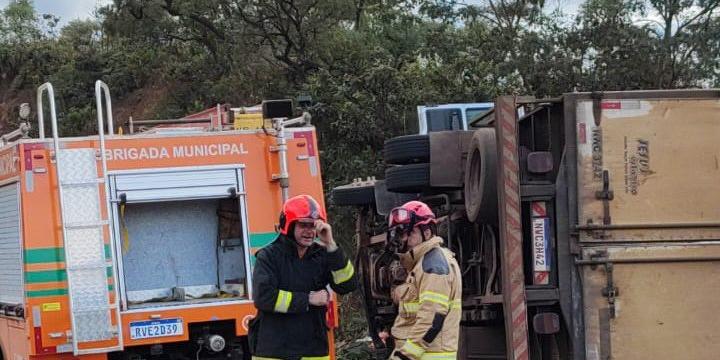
point(324, 232)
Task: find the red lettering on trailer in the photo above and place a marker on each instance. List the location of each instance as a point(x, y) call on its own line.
point(611, 105)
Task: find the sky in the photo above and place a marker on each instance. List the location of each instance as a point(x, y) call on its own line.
point(66, 10)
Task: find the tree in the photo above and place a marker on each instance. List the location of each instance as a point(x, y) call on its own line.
point(685, 31)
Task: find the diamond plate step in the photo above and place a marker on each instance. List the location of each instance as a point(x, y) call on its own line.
point(89, 183)
point(85, 261)
point(88, 267)
point(86, 225)
point(96, 309)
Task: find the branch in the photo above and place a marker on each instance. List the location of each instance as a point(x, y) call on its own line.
point(489, 18)
point(195, 17)
point(706, 11)
point(359, 9)
point(497, 14)
point(651, 21)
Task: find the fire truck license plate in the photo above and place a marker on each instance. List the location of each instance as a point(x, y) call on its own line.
point(156, 328)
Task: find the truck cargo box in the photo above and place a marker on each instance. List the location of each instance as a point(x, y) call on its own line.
point(648, 222)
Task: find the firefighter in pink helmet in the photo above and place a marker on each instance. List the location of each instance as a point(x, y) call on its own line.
point(429, 301)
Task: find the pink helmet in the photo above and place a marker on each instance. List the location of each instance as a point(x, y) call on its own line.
point(411, 214)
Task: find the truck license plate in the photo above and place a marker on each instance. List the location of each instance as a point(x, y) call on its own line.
point(155, 328)
point(540, 232)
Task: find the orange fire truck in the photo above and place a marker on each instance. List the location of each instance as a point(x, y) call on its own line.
point(145, 252)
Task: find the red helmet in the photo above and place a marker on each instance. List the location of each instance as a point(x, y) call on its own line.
point(411, 214)
point(298, 208)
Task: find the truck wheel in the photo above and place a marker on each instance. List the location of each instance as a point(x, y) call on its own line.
point(407, 149)
point(412, 178)
point(354, 194)
point(480, 177)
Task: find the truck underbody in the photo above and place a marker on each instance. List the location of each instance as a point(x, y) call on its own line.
point(584, 225)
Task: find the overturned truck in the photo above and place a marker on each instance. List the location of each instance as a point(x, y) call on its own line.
point(586, 226)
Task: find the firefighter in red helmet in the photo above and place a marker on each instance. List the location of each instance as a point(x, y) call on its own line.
point(290, 282)
point(429, 301)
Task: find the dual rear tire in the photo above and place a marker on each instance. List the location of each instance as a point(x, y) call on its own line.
point(411, 163)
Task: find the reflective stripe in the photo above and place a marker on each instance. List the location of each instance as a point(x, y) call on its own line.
point(302, 358)
point(456, 304)
point(411, 307)
point(439, 356)
point(437, 298)
point(344, 274)
point(412, 349)
point(282, 304)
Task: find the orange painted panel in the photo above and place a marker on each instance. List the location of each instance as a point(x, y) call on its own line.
point(41, 219)
point(240, 313)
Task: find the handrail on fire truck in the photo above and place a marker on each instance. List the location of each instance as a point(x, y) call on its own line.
point(65, 161)
point(51, 96)
point(101, 87)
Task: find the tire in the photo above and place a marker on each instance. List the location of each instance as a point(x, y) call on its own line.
point(354, 195)
point(481, 178)
point(409, 149)
point(413, 178)
point(385, 200)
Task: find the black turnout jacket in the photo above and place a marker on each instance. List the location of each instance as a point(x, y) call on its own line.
point(286, 326)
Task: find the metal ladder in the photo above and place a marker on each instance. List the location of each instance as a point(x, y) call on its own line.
point(83, 227)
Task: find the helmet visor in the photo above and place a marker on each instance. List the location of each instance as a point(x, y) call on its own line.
point(399, 216)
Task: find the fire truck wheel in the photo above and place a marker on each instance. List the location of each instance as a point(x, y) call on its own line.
point(407, 149)
point(480, 178)
point(354, 194)
point(413, 178)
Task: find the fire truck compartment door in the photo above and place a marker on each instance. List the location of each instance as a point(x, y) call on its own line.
point(11, 283)
point(151, 185)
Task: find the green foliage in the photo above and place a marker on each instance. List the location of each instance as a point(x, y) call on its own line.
point(19, 23)
point(367, 63)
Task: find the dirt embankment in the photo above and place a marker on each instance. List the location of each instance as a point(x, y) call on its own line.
point(140, 104)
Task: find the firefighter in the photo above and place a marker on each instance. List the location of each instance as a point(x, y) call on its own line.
point(290, 282)
point(429, 301)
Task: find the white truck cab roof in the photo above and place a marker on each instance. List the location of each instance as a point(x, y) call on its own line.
point(450, 116)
